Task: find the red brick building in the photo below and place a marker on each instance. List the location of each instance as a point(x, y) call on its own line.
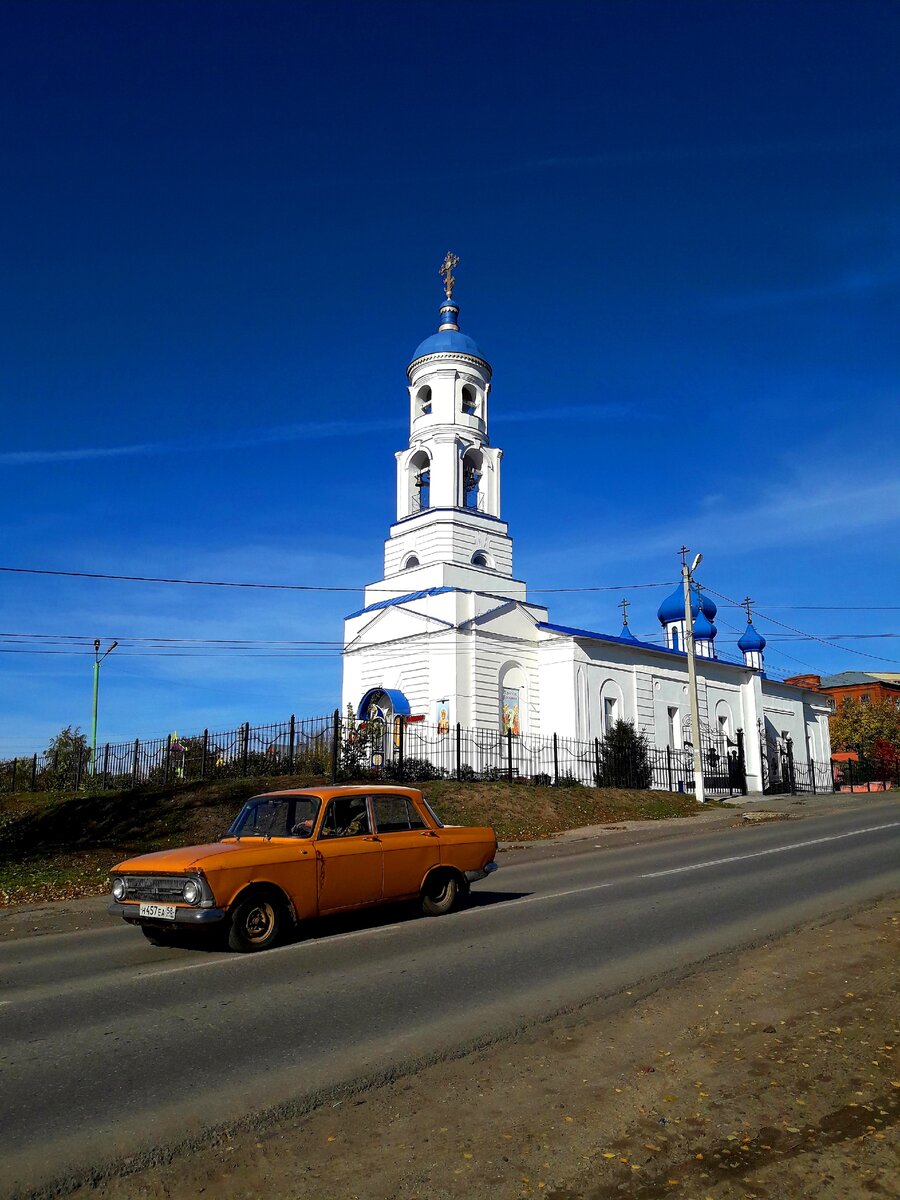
point(852, 685)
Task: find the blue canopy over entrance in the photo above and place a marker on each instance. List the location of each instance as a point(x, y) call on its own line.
point(398, 702)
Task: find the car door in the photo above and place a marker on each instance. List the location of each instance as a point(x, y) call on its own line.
point(348, 856)
point(410, 848)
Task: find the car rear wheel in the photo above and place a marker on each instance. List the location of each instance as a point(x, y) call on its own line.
point(256, 923)
point(440, 894)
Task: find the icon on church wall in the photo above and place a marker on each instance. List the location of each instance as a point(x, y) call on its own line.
point(509, 711)
point(442, 715)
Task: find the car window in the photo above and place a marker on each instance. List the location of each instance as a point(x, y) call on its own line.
point(346, 816)
point(395, 814)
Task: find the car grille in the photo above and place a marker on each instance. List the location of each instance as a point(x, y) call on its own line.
point(166, 888)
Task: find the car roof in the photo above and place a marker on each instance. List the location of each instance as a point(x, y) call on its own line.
point(356, 789)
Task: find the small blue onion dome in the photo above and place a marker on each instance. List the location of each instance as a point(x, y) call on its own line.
point(626, 634)
point(704, 630)
point(751, 640)
point(672, 608)
point(449, 339)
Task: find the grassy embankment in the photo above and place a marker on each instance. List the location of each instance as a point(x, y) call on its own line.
point(62, 845)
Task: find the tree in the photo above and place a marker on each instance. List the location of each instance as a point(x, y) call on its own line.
point(624, 758)
point(858, 726)
point(65, 759)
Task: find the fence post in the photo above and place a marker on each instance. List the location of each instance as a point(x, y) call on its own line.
point(812, 776)
point(79, 767)
point(458, 751)
point(166, 768)
point(850, 772)
point(669, 772)
point(335, 739)
point(204, 750)
point(106, 766)
point(555, 761)
point(742, 762)
point(34, 773)
point(597, 761)
point(509, 774)
point(245, 749)
point(401, 727)
point(291, 745)
point(790, 761)
point(134, 761)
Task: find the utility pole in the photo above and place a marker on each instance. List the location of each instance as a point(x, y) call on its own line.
point(686, 578)
point(98, 659)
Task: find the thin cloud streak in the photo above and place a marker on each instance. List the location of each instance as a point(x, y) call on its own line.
point(285, 433)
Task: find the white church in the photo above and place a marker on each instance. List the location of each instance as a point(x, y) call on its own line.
point(449, 636)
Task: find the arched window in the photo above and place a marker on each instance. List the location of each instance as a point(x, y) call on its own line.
point(419, 468)
point(423, 401)
point(411, 562)
point(471, 480)
point(480, 559)
point(512, 699)
point(469, 401)
point(611, 705)
point(724, 727)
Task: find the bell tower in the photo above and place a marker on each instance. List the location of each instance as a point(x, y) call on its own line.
point(449, 532)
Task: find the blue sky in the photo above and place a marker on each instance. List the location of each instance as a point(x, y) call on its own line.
point(220, 227)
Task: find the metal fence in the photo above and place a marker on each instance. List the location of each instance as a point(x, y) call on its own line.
point(343, 748)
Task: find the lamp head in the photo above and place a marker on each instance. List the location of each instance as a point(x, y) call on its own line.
point(698, 559)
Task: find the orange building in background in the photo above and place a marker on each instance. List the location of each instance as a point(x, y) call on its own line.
point(852, 685)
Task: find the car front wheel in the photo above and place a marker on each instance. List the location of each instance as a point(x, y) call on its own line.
point(256, 923)
point(440, 895)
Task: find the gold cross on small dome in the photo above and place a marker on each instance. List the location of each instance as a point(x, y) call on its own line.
point(450, 261)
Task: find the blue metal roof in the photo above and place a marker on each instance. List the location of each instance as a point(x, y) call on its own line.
point(450, 341)
point(399, 702)
point(632, 642)
point(400, 600)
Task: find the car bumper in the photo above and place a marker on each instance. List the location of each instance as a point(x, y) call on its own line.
point(488, 869)
point(194, 918)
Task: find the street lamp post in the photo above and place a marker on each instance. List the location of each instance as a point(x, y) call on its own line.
point(98, 659)
point(686, 577)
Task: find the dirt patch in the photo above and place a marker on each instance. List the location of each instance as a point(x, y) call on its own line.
point(769, 1074)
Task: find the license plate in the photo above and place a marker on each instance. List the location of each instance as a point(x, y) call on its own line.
point(161, 912)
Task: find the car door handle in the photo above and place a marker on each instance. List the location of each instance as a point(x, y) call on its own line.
point(372, 838)
point(427, 833)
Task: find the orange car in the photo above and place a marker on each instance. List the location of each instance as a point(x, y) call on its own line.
point(297, 854)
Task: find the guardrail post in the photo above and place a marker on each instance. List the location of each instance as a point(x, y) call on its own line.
point(335, 740)
point(291, 740)
point(34, 773)
point(458, 751)
point(555, 761)
point(509, 773)
point(204, 750)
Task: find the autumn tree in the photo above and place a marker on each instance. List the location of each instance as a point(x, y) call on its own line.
point(858, 726)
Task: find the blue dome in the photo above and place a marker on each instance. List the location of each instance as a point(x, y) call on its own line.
point(672, 608)
point(751, 640)
point(450, 341)
point(704, 630)
point(627, 634)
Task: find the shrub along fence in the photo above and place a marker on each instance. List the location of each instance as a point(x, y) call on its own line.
point(341, 747)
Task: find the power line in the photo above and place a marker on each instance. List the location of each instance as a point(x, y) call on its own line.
point(303, 587)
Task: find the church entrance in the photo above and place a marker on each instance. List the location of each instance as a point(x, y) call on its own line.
point(379, 708)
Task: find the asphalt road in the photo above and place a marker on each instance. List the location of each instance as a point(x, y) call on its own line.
point(111, 1048)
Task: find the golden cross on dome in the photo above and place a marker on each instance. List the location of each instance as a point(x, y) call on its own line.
point(450, 261)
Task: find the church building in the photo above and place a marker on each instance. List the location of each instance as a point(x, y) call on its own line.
point(449, 636)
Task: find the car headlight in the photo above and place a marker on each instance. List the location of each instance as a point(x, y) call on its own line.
point(192, 892)
point(119, 889)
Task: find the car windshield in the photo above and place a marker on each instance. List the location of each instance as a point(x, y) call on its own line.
point(276, 816)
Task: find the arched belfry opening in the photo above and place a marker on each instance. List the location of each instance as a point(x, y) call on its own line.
point(419, 472)
point(469, 400)
point(472, 472)
point(423, 401)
